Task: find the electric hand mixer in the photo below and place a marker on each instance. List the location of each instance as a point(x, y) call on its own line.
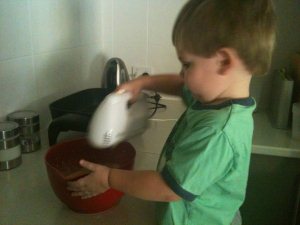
point(115, 120)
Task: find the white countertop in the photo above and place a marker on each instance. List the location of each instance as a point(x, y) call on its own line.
point(26, 198)
point(268, 140)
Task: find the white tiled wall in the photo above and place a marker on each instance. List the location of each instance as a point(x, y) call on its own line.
point(14, 24)
point(50, 48)
point(139, 32)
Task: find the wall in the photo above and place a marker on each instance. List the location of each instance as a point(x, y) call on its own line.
point(51, 48)
point(48, 49)
point(140, 32)
point(288, 42)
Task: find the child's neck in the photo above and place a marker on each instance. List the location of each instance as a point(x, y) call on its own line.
point(238, 89)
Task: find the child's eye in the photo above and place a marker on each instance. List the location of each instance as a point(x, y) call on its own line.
point(186, 65)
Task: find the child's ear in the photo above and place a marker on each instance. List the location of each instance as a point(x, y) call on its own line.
point(225, 59)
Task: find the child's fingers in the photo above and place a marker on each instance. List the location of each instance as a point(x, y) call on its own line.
point(83, 194)
point(88, 165)
point(73, 186)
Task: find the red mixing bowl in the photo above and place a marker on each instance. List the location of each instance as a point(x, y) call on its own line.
point(62, 163)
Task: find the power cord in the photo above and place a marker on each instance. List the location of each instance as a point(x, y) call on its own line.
point(156, 97)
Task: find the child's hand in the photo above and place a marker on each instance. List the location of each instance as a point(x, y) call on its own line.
point(93, 184)
point(134, 87)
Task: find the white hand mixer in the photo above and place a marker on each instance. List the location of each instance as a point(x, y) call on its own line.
point(115, 120)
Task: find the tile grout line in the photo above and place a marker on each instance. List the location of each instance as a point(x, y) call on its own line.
point(32, 55)
point(113, 28)
point(147, 34)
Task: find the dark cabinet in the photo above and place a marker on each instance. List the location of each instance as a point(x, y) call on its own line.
point(272, 191)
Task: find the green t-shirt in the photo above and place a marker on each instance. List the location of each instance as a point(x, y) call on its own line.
point(205, 160)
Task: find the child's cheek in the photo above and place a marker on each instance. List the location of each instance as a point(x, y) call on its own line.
point(190, 81)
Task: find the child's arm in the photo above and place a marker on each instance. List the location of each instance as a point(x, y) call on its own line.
point(167, 83)
point(147, 185)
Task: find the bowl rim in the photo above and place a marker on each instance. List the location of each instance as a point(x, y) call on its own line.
point(59, 173)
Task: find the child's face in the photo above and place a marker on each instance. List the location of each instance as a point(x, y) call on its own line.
point(201, 76)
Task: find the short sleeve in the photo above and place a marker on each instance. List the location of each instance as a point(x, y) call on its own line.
point(198, 161)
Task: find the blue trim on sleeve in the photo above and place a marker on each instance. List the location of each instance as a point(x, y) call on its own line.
point(175, 187)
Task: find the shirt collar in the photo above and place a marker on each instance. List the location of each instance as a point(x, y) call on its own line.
point(243, 101)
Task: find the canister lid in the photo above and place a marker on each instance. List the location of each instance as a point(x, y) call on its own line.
point(8, 129)
point(23, 118)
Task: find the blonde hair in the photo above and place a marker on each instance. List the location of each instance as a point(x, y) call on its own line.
point(248, 26)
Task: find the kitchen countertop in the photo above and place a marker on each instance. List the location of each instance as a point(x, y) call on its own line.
point(26, 198)
point(270, 141)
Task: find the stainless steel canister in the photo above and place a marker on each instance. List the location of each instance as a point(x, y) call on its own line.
point(10, 149)
point(29, 125)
